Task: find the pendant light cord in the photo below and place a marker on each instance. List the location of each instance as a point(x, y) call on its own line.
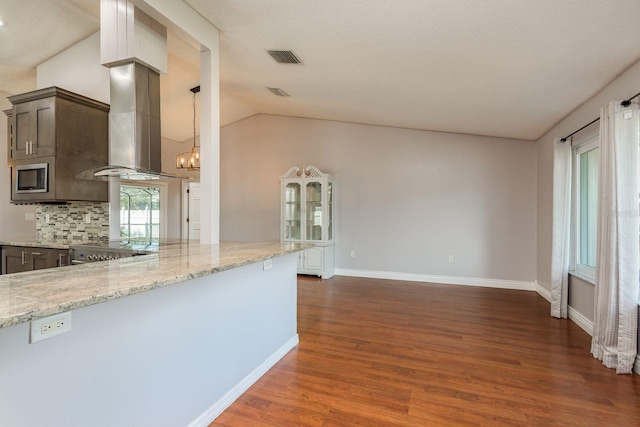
point(194, 120)
point(194, 90)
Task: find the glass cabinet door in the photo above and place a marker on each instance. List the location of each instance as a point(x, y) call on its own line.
point(292, 211)
point(314, 211)
point(330, 209)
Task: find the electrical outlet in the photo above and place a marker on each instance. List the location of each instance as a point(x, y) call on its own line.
point(46, 218)
point(352, 254)
point(48, 327)
point(450, 258)
point(87, 218)
point(267, 264)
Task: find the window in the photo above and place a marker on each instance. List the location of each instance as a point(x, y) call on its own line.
point(585, 190)
point(588, 205)
point(141, 212)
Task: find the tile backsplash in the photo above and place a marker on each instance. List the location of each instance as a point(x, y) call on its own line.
point(69, 221)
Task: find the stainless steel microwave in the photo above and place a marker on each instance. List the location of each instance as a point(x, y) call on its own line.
point(32, 178)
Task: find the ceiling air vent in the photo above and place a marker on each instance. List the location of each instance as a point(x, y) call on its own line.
point(284, 57)
point(277, 91)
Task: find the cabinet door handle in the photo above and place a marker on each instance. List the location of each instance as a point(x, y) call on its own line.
point(26, 148)
point(23, 261)
point(36, 253)
point(30, 147)
point(60, 260)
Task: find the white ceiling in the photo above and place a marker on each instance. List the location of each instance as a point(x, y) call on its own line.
point(507, 68)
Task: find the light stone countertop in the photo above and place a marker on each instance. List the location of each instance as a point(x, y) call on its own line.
point(32, 242)
point(36, 294)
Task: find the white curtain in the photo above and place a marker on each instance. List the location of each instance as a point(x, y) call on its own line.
point(615, 325)
point(561, 228)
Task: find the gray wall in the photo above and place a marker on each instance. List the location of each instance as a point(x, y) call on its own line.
point(174, 356)
point(581, 296)
point(406, 199)
point(626, 85)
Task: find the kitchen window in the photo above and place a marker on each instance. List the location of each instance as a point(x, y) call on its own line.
point(142, 209)
point(585, 206)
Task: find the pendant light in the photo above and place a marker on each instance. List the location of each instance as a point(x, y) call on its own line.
point(191, 160)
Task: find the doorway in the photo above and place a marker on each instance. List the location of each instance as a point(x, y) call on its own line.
point(190, 211)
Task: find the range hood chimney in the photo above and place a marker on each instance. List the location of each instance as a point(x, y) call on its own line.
point(134, 124)
point(134, 48)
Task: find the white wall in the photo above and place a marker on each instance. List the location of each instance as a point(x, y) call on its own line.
point(406, 199)
point(11, 216)
point(77, 69)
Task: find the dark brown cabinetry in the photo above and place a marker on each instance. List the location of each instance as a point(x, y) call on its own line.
point(66, 132)
point(16, 259)
point(34, 133)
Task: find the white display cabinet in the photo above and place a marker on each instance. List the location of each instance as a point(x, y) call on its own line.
point(308, 216)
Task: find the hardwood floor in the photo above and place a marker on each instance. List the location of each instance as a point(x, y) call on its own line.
point(387, 353)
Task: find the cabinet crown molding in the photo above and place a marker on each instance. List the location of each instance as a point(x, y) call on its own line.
point(305, 172)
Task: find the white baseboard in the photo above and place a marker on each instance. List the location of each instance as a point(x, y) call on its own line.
point(544, 292)
point(449, 280)
point(580, 320)
point(218, 407)
point(574, 315)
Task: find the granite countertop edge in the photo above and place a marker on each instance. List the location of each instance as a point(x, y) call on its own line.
point(34, 243)
point(168, 267)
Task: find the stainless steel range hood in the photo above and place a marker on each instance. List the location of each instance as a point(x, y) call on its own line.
point(134, 125)
point(134, 118)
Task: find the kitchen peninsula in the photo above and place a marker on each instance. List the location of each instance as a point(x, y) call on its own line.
point(170, 338)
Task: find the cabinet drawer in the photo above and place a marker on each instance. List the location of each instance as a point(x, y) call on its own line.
point(16, 259)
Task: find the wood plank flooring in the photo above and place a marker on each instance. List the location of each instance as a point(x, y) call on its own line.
point(387, 353)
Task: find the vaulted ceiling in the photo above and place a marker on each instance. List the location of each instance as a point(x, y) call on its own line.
point(506, 68)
